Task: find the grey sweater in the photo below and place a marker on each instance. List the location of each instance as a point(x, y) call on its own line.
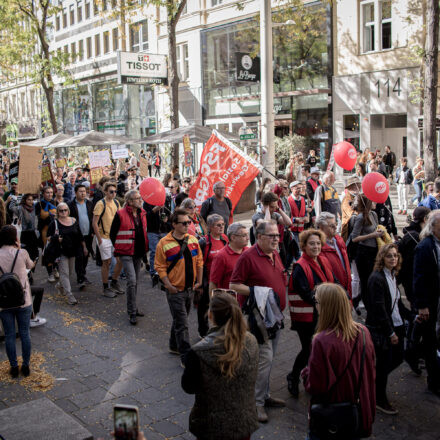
point(360, 229)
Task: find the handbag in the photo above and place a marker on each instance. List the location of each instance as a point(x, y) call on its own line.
point(52, 250)
point(342, 420)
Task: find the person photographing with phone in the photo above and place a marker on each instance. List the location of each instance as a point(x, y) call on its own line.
point(179, 264)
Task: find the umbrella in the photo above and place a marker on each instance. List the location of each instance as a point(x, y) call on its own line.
point(94, 138)
point(47, 141)
point(197, 134)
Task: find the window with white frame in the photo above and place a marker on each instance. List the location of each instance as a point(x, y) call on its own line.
point(79, 12)
point(216, 2)
point(139, 36)
point(182, 61)
point(376, 24)
point(72, 14)
point(115, 38)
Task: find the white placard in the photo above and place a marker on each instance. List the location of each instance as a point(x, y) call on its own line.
point(99, 158)
point(119, 153)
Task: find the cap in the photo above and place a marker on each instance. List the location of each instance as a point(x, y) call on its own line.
point(14, 180)
point(353, 180)
point(293, 184)
point(315, 170)
point(420, 213)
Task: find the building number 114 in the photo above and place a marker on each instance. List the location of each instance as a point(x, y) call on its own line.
point(396, 88)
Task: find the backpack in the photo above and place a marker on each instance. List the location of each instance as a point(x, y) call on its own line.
point(11, 289)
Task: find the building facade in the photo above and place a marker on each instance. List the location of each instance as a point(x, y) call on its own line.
point(351, 76)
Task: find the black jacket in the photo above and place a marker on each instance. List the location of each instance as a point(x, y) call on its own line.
point(155, 222)
point(379, 306)
point(407, 246)
point(426, 278)
point(385, 216)
point(74, 211)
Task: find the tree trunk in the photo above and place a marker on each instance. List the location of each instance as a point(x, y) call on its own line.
point(430, 95)
point(173, 84)
point(123, 27)
point(48, 92)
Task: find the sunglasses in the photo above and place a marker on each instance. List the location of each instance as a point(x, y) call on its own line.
point(63, 210)
point(220, 291)
point(112, 191)
point(184, 223)
point(272, 236)
point(219, 225)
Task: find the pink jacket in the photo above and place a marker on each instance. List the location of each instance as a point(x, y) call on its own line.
point(7, 255)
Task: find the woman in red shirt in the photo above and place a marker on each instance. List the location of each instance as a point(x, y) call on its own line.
point(334, 370)
point(310, 270)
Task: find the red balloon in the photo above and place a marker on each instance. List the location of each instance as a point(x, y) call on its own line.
point(376, 187)
point(152, 191)
point(345, 155)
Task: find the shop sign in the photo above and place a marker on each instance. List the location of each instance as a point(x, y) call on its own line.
point(140, 68)
point(247, 68)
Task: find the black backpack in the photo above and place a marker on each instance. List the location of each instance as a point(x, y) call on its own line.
point(11, 289)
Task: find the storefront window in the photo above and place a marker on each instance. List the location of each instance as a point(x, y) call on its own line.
point(300, 75)
point(76, 110)
point(142, 120)
point(352, 130)
point(110, 113)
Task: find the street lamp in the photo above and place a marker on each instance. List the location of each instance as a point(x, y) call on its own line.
point(266, 67)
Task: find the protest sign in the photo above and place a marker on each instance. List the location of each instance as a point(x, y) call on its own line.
point(60, 163)
point(99, 158)
point(13, 170)
point(95, 175)
point(29, 171)
point(119, 152)
point(187, 150)
point(222, 160)
point(143, 168)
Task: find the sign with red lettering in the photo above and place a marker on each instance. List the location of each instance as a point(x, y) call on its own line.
point(223, 161)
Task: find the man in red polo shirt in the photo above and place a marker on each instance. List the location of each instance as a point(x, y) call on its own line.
point(224, 263)
point(261, 265)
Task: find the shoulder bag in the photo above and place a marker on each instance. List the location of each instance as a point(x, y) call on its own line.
point(343, 420)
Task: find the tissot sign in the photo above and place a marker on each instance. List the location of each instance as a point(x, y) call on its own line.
point(142, 68)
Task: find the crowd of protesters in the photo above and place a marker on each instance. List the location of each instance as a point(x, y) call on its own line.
point(323, 256)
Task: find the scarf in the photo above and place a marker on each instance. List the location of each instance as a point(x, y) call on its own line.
point(323, 269)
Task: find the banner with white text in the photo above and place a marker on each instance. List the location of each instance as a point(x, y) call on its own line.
point(223, 161)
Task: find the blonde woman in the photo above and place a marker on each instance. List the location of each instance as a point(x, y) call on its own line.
point(221, 371)
point(333, 374)
point(66, 230)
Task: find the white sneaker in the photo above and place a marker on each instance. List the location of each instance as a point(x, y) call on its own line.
point(37, 321)
point(51, 278)
point(56, 273)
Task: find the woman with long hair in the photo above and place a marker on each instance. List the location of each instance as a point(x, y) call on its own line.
point(3, 214)
point(221, 370)
point(16, 260)
point(385, 320)
point(66, 230)
point(333, 372)
point(310, 270)
point(365, 234)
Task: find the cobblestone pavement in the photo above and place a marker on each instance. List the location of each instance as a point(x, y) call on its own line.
point(99, 359)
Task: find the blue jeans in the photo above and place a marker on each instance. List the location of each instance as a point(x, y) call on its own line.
point(153, 239)
point(418, 184)
point(23, 317)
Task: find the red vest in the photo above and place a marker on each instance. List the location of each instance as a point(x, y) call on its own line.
point(341, 274)
point(124, 244)
point(314, 183)
point(297, 227)
point(301, 311)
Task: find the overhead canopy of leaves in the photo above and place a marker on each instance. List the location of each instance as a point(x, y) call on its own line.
point(284, 147)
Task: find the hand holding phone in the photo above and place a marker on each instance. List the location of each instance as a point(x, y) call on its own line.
point(126, 421)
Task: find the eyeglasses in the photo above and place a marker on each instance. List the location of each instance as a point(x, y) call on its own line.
point(332, 226)
point(272, 236)
point(391, 256)
point(63, 210)
point(136, 198)
point(112, 191)
point(184, 223)
point(242, 235)
point(219, 225)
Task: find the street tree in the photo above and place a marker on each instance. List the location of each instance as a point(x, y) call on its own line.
point(25, 32)
point(430, 89)
point(173, 10)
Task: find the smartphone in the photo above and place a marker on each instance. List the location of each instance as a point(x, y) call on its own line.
point(126, 419)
